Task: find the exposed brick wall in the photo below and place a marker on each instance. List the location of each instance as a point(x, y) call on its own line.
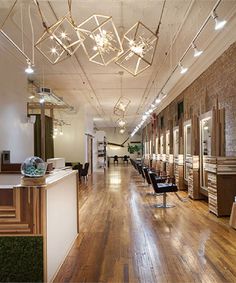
point(217, 82)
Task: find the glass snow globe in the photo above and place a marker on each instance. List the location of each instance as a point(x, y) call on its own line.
point(33, 167)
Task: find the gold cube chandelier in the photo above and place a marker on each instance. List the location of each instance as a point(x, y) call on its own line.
point(121, 106)
point(139, 44)
point(59, 41)
point(101, 41)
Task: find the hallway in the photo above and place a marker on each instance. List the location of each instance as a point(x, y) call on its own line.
point(123, 238)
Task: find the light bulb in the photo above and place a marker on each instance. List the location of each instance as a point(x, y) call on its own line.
point(41, 100)
point(31, 96)
point(121, 123)
point(197, 52)
point(122, 131)
point(61, 133)
point(54, 50)
point(29, 69)
point(53, 136)
point(63, 35)
point(219, 24)
point(183, 69)
point(158, 100)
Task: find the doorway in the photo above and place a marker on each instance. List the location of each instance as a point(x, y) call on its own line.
point(90, 153)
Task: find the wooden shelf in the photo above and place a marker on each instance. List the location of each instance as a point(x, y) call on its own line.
point(221, 179)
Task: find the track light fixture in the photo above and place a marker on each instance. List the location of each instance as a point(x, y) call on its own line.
point(197, 52)
point(183, 69)
point(218, 24)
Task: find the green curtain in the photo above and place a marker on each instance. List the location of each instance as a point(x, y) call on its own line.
point(49, 144)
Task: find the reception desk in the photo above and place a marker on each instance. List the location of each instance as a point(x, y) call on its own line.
point(49, 214)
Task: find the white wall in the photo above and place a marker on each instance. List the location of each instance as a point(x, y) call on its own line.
point(16, 134)
point(73, 144)
point(113, 135)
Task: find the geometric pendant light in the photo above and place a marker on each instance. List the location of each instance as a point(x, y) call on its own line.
point(139, 45)
point(100, 39)
point(59, 41)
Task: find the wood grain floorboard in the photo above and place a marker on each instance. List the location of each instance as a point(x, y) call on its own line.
point(124, 238)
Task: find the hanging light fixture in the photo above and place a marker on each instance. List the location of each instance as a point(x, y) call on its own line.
point(122, 130)
point(101, 41)
point(121, 106)
point(29, 70)
point(42, 99)
point(121, 122)
point(218, 24)
point(197, 52)
point(139, 44)
point(123, 102)
point(183, 69)
point(61, 40)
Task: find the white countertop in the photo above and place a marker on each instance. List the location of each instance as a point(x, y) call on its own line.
point(57, 175)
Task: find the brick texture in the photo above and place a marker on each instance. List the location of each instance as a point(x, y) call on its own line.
point(218, 82)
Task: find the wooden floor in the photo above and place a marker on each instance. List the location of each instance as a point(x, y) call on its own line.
point(123, 238)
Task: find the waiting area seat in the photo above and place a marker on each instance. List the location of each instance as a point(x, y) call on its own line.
point(126, 159)
point(116, 159)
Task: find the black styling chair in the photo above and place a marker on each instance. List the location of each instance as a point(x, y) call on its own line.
point(140, 170)
point(115, 159)
point(84, 171)
point(163, 188)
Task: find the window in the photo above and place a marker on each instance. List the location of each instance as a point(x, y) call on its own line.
point(180, 109)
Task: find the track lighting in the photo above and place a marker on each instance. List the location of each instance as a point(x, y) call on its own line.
point(183, 69)
point(218, 24)
point(158, 100)
point(29, 70)
point(197, 52)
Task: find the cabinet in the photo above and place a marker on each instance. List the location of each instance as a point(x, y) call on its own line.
point(221, 180)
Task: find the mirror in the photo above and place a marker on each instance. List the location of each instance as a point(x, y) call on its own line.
point(205, 146)
point(187, 148)
point(176, 142)
point(168, 142)
point(162, 144)
point(156, 149)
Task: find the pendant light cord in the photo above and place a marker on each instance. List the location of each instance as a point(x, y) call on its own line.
point(41, 14)
point(32, 33)
point(70, 13)
point(160, 21)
